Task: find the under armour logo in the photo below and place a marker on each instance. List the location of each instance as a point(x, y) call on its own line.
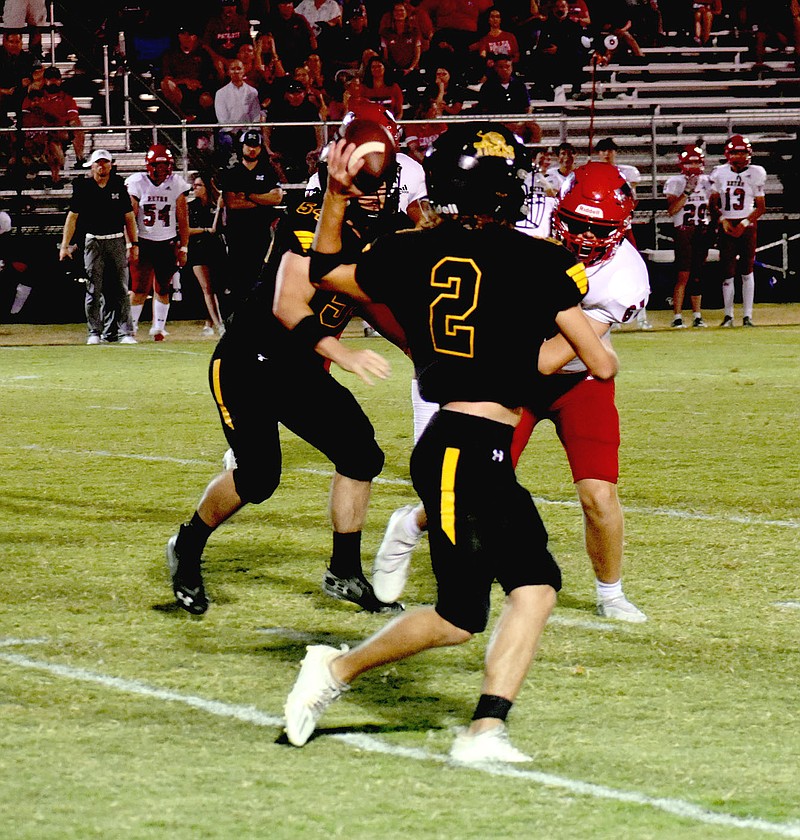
point(498, 454)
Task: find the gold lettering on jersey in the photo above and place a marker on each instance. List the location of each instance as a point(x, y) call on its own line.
point(493, 144)
point(335, 311)
point(578, 275)
point(305, 238)
point(450, 311)
point(447, 501)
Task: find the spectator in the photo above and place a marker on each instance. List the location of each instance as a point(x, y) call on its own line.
point(376, 88)
point(559, 56)
point(704, 13)
point(314, 95)
point(268, 62)
point(158, 196)
point(349, 89)
point(206, 255)
point(16, 70)
point(646, 22)
point(33, 13)
point(321, 14)
point(449, 95)
point(497, 41)
point(421, 135)
point(401, 44)
point(293, 36)
point(250, 191)
point(225, 32)
point(255, 75)
point(556, 175)
point(688, 198)
point(346, 45)
point(579, 13)
point(52, 108)
point(776, 24)
point(37, 81)
point(455, 28)
point(612, 17)
point(318, 78)
point(291, 148)
point(104, 208)
point(236, 105)
point(503, 92)
point(188, 76)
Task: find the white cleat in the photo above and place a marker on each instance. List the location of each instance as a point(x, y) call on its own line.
point(491, 745)
point(93, 339)
point(314, 690)
point(621, 609)
point(391, 565)
point(127, 339)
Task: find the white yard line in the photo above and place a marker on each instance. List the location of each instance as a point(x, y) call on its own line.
point(368, 743)
point(404, 482)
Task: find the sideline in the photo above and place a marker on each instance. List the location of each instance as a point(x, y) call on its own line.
point(369, 743)
point(404, 482)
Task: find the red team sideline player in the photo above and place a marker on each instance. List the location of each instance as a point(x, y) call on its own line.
point(737, 202)
point(162, 217)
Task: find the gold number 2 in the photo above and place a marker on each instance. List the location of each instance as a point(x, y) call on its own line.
point(451, 332)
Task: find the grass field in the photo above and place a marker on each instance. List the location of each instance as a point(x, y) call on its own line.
point(122, 716)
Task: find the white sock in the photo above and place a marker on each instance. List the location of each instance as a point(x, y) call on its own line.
point(136, 313)
point(411, 527)
point(19, 298)
point(727, 296)
point(160, 312)
point(608, 591)
point(423, 410)
point(748, 293)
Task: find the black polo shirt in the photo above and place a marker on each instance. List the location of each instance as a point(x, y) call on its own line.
point(101, 209)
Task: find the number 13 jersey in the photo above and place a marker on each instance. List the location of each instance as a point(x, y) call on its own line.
point(738, 190)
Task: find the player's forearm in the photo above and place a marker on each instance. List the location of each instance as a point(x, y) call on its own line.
point(328, 235)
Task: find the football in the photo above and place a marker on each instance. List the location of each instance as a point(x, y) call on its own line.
point(376, 147)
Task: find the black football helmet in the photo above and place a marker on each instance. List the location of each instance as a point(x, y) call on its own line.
point(471, 170)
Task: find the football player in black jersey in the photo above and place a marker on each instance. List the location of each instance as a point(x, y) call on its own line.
point(271, 367)
point(476, 300)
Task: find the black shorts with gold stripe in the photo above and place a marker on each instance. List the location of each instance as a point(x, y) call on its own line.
point(482, 524)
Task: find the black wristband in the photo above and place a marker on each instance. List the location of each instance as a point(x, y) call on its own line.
point(308, 332)
point(322, 264)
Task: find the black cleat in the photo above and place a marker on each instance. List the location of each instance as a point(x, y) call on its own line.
point(187, 580)
point(357, 590)
point(747, 322)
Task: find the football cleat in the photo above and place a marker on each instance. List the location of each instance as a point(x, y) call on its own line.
point(727, 321)
point(678, 324)
point(93, 339)
point(621, 609)
point(490, 745)
point(747, 321)
point(187, 580)
point(699, 322)
point(127, 339)
point(314, 690)
point(358, 591)
point(229, 460)
point(391, 564)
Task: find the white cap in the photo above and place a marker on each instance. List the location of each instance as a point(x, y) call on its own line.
point(99, 154)
point(5, 222)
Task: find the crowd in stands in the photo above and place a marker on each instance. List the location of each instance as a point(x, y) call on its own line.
point(236, 62)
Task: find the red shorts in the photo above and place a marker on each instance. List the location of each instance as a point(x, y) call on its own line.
point(154, 268)
point(587, 423)
point(743, 247)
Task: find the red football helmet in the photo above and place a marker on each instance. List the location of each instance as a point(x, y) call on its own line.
point(739, 144)
point(364, 109)
point(159, 162)
point(593, 212)
point(692, 160)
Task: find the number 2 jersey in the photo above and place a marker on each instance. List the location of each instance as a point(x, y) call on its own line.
point(156, 216)
point(475, 305)
point(738, 190)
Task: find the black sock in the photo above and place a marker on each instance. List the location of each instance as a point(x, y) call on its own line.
point(192, 537)
point(492, 706)
point(346, 557)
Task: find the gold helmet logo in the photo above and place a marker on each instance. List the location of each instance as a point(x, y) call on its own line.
point(493, 144)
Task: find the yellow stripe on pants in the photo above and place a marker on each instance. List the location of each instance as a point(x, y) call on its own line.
point(226, 417)
point(448, 497)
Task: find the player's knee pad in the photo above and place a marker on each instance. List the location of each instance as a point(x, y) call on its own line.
point(361, 463)
point(255, 485)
